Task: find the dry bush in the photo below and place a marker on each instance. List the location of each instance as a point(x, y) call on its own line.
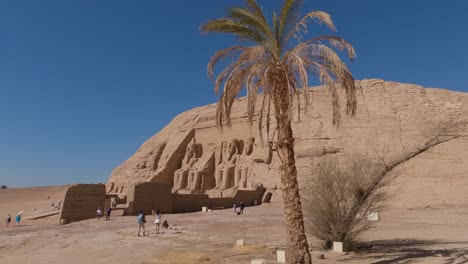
point(340, 197)
point(342, 194)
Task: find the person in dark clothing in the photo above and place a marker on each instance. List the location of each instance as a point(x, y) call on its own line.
point(242, 206)
point(108, 213)
point(8, 220)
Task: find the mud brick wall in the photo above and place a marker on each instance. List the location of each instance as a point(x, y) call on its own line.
point(150, 196)
point(81, 202)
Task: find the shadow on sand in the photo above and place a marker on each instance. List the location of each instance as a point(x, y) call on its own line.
point(411, 251)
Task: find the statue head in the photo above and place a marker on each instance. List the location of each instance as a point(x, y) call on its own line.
point(248, 147)
point(233, 146)
point(191, 149)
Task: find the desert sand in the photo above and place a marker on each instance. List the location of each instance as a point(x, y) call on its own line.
point(414, 235)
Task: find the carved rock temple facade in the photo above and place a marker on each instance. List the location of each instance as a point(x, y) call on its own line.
point(193, 163)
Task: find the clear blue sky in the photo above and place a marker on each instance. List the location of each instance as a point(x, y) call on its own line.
point(83, 83)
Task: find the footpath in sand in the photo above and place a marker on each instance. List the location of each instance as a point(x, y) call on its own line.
point(426, 235)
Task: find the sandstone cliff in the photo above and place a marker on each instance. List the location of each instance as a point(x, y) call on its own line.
point(392, 119)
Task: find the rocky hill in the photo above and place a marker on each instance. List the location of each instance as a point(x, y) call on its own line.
point(392, 120)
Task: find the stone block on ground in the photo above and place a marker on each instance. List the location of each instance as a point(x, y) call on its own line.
point(204, 209)
point(281, 256)
point(240, 242)
point(338, 247)
point(258, 261)
point(373, 216)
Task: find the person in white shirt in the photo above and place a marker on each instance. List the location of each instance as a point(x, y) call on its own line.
point(157, 220)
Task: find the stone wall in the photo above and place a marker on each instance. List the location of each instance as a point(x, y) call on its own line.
point(81, 202)
point(185, 203)
point(149, 196)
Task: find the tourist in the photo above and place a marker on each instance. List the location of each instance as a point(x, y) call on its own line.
point(242, 206)
point(108, 213)
point(58, 205)
point(99, 213)
point(234, 208)
point(8, 220)
point(18, 218)
point(114, 204)
point(157, 220)
point(52, 205)
point(141, 222)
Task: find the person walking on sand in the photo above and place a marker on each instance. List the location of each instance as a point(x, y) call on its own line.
point(141, 222)
point(99, 213)
point(242, 206)
point(8, 220)
point(157, 220)
point(108, 213)
point(18, 218)
point(234, 208)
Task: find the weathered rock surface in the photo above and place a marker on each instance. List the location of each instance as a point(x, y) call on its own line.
point(392, 119)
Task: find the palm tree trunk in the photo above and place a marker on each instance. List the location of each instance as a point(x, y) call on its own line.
point(297, 247)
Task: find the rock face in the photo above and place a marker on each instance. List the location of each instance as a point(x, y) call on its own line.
point(194, 156)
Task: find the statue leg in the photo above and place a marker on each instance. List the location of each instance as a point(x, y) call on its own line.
point(196, 181)
point(227, 177)
point(189, 180)
point(176, 181)
point(243, 181)
point(218, 178)
point(183, 179)
point(237, 176)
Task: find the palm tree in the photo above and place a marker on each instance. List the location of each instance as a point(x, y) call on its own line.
point(276, 62)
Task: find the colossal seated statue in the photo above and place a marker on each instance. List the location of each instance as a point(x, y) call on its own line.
point(224, 175)
point(190, 159)
point(199, 173)
point(247, 160)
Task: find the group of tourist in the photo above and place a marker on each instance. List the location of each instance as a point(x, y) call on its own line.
point(241, 208)
point(141, 220)
point(99, 213)
point(17, 219)
point(56, 206)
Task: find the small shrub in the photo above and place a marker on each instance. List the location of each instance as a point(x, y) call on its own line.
point(340, 197)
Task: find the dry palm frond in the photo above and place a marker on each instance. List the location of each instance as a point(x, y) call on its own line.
point(274, 66)
point(219, 55)
point(301, 27)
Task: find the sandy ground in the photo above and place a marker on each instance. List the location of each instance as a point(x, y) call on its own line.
point(424, 235)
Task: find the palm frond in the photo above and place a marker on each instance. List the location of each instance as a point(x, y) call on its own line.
point(320, 17)
point(255, 8)
point(226, 25)
point(263, 68)
point(290, 16)
point(251, 20)
point(336, 42)
point(219, 55)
